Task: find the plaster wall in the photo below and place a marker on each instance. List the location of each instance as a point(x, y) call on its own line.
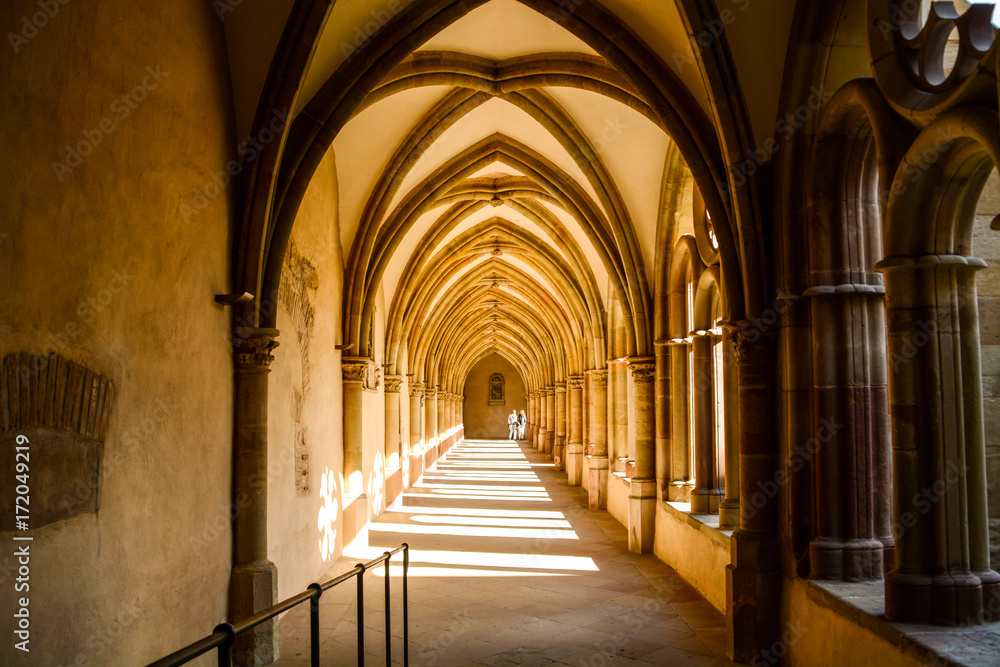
point(305, 401)
point(104, 265)
point(485, 421)
point(699, 552)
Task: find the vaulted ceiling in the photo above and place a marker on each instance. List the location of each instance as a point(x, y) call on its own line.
point(502, 184)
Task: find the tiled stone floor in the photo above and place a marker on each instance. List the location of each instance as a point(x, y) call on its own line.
point(508, 567)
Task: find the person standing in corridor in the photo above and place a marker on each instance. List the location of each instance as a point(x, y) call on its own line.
point(512, 425)
point(522, 421)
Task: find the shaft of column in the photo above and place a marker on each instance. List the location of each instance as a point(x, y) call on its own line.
point(845, 546)
point(253, 583)
point(355, 373)
point(393, 454)
point(681, 474)
point(754, 579)
point(574, 447)
point(416, 431)
point(729, 508)
point(622, 450)
point(942, 574)
point(642, 486)
point(559, 448)
point(661, 407)
point(430, 418)
point(707, 495)
point(442, 421)
point(542, 420)
point(550, 420)
point(598, 483)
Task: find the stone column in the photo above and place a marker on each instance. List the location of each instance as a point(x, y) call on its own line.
point(559, 449)
point(621, 449)
point(393, 450)
point(642, 488)
point(416, 432)
point(550, 420)
point(442, 422)
point(681, 474)
point(253, 582)
point(753, 577)
point(707, 492)
point(542, 421)
point(942, 571)
point(416, 417)
point(355, 372)
point(729, 508)
point(574, 448)
point(598, 456)
point(661, 408)
point(850, 424)
point(529, 430)
point(430, 418)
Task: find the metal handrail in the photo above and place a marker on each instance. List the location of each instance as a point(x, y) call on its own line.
point(224, 635)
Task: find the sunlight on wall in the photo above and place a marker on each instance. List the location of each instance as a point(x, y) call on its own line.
point(376, 485)
point(326, 522)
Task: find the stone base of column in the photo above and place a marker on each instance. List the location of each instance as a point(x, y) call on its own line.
point(706, 501)
point(679, 492)
point(951, 598)
point(550, 442)
point(845, 560)
point(729, 513)
point(355, 517)
point(753, 596)
point(353, 477)
point(641, 515)
point(253, 588)
point(559, 452)
point(598, 483)
point(574, 464)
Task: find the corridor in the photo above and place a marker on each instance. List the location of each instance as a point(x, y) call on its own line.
point(508, 567)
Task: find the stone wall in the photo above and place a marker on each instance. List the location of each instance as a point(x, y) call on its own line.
point(483, 420)
point(305, 501)
point(986, 245)
point(114, 240)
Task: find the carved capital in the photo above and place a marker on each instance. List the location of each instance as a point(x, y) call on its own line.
point(355, 369)
point(393, 383)
point(751, 342)
point(643, 368)
point(598, 377)
point(575, 382)
point(252, 348)
point(416, 389)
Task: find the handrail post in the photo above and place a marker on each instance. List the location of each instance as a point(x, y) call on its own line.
point(406, 612)
point(317, 591)
point(388, 614)
point(226, 648)
point(361, 614)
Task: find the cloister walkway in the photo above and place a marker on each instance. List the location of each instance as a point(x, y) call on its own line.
point(508, 567)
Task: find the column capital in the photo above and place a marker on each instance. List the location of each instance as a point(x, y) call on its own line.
point(560, 389)
point(393, 383)
point(598, 377)
point(355, 369)
point(416, 389)
point(431, 392)
point(252, 347)
point(643, 368)
point(575, 381)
